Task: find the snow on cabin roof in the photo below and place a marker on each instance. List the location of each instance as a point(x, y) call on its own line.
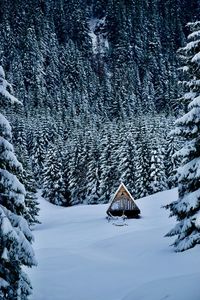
point(122, 185)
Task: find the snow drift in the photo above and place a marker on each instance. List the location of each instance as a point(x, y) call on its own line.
point(83, 257)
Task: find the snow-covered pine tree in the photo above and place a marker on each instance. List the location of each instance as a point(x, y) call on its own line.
point(38, 156)
point(53, 186)
point(142, 183)
point(92, 176)
point(31, 203)
point(157, 170)
point(187, 207)
point(127, 161)
point(26, 177)
point(66, 173)
point(81, 174)
point(171, 161)
point(73, 175)
point(107, 178)
point(15, 235)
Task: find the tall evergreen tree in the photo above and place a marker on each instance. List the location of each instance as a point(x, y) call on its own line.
point(142, 183)
point(26, 177)
point(73, 175)
point(53, 184)
point(92, 176)
point(15, 235)
point(38, 156)
point(127, 162)
point(187, 207)
point(66, 176)
point(157, 176)
point(107, 179)
point(171, 161)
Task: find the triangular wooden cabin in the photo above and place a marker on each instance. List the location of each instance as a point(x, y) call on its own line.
point(123, 204)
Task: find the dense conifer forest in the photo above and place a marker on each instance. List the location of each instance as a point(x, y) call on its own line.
point(89, 94)
point(98, 81)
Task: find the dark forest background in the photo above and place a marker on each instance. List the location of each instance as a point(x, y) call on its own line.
point(99, 84)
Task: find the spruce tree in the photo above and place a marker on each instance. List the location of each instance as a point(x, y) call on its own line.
point(171, 161)
point(92, 176)
point(127, 162)
point(157, 170)
point(73, 176)
point(108, 172)
point(32, 205)
point(15, 236)
point(53, 186)
point(142, 183)
point(66, 175)
point(38, 156)
point(187, 207)
point(26, 177)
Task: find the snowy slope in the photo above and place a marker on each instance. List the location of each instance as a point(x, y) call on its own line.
point(83, 257)
point(98, 35)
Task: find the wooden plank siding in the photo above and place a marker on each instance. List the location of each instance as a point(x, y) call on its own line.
point(123, 203)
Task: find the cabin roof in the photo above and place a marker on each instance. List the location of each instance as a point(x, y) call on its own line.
point(132, 210)
point(122, 185)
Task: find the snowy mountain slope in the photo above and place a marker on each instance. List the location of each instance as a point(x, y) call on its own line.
point(98, 36)
point(83, 257)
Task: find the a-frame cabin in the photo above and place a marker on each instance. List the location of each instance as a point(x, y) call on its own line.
point(123, 204)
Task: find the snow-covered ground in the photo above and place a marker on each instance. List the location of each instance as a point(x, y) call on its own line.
point(83, 257)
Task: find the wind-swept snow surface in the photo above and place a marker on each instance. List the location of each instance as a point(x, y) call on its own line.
point(83, 257)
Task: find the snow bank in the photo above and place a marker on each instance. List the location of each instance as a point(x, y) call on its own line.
point(83, 257)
